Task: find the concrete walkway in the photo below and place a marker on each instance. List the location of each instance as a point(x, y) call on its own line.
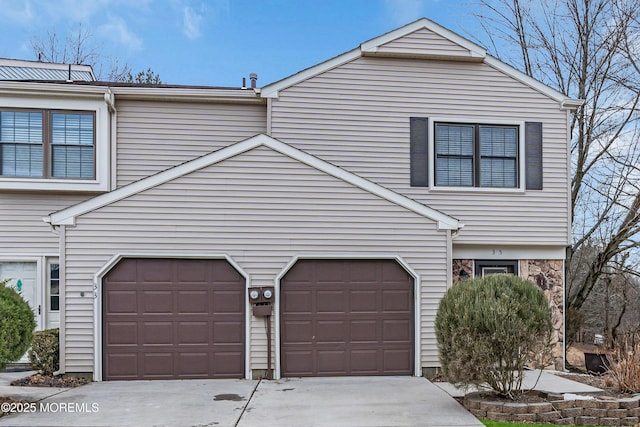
point(549, 382)
point(319, 402)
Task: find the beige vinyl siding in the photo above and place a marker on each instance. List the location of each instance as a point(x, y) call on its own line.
point(22, 230)
point(424, 42)
point(153, 136)
point(262, 209)
point(357, 117)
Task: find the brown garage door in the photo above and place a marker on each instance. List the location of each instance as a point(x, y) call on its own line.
point(173, 319)
point(347, 317)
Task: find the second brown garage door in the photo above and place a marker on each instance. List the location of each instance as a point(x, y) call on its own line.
point(173, 319)
point(347, 317)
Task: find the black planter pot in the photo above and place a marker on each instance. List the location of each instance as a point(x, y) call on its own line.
point(595, 363)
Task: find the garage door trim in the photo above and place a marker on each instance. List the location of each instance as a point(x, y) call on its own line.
point(97, 303)
point(397, 258)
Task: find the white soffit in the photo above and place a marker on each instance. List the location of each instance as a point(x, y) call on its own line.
point(67, 216)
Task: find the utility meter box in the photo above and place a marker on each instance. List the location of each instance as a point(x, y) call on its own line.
point(261, 298)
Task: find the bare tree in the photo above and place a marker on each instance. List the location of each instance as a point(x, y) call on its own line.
point(80, 47)
point(587, 49)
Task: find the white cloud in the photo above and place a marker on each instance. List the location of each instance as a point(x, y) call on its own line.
point(116, 29)
point(16, 12)
point(404, 11)
point(192, 22)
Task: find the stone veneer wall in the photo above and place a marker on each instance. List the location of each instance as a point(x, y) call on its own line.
point(460, 265)
point(596, 412)
point(549, 276)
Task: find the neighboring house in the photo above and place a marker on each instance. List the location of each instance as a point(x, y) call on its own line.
point(361, 188)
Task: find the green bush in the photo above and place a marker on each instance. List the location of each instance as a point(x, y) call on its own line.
point(45, 351)
point(16, 325)
point(487, 330)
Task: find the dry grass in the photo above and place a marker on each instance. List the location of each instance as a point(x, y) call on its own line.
point(624, 365)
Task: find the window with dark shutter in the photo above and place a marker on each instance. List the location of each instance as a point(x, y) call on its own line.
point(533, 149)
point(419, 151)
point(476, 155)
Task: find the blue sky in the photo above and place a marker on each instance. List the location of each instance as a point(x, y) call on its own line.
point(217, 42)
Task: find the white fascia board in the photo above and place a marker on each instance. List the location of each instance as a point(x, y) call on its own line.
point(372, 45)
point(271, 90)
point(565, 101)
point(67, 216)
point(187, 94)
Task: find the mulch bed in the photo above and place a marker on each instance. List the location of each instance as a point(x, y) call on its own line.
point(39, 380)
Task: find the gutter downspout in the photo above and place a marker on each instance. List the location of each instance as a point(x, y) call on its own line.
point(110, 99)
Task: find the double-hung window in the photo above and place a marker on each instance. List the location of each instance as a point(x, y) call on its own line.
point(476, 155)
point(47, 144)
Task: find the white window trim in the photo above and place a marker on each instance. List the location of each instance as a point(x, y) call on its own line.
point(47, 290)
point(102, 152)
point(432, 155)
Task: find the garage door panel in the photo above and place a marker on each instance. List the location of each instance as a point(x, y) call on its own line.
point(124, 365)
point(158, 364)
point(346, 324)
point(297, 332)
point(393, 272)
point(330, 331)
point(364, 331)
point(193, 333)
point(193, 364)
point(330, 301)
point(298, 301)
point(122, 333)
point(228, 332)
point(363, 301)
point(395, 361)
point(362, 273)
point(156, 333)
point(182, 323)
point(331, 362)
point(365, 362)
point(124, 302)
point(299, 362)
point(396, 331)
point(228, 301)
point(156, 271)
point(193, 302)
point(227, 364)
point(157, 302)
point(397, 301)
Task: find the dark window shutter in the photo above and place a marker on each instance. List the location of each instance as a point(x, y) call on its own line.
point(533, 153)
point(419, 151)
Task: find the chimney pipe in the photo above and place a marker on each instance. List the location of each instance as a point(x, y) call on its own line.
point(254, 79)
point(244, 83)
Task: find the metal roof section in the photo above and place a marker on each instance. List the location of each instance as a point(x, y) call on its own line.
point(19, 70)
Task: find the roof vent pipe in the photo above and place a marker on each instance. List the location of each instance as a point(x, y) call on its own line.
point(254, 79)
point(69, 76)
point(244, 83)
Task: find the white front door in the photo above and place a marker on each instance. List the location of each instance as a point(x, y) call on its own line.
point(24, 278)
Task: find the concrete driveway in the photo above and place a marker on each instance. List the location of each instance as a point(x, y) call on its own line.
point(331, 402)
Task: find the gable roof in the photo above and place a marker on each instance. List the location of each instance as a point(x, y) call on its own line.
point(67, 216)
point(470, 52)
